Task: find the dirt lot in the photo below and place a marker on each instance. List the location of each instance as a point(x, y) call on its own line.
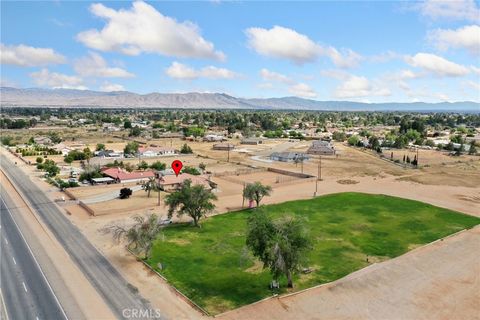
point(450, 182)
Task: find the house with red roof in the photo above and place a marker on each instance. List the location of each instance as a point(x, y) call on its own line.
point(121, 176)
point(172, 182)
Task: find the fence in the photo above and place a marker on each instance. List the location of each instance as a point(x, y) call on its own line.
point(239, 172)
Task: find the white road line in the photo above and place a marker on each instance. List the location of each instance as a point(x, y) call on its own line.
point(6, 241)
point(24, 286)
point(35, 259)
point(4, 306)
point(14, 260)
point(36, 318)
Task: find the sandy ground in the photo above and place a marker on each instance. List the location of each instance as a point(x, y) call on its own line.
point(450, 182)
point(413, 286)
point(71, 286)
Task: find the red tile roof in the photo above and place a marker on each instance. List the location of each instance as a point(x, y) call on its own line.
point(122, 175)
point(172, 180)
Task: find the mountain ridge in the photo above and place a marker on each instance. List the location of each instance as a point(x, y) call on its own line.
point(36, 97)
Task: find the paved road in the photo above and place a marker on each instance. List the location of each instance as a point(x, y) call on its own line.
point(108, 195)
point(117, 293)
point(25, 290)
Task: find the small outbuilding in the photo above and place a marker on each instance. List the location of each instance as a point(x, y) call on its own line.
point(223, 146)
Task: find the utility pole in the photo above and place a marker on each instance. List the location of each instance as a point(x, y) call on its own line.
point(417, 157)
point(228, 153)
point(320, 168)
point(158, 190)
point(243, 198)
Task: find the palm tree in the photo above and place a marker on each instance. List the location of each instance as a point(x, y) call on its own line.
point(256, 191)
point(194, 201)
point(150, 185)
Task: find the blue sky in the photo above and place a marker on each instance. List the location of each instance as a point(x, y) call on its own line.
point(359, 51)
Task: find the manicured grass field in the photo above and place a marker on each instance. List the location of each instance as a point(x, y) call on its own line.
point(213, 267)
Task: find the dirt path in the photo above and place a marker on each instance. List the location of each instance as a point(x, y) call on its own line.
point(438, 281)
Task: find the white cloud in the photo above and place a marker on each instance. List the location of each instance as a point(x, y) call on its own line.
point(94, 65)
point(437, 65)
point(280, 42)
point(335, 74)
point(347, 59)
point(144, 29)
point(356, 86)
point(268, 75)
point(109, 87)
point(450, 9)
point(475, 69)
point(25, 56)
point(473, 84)
point(285, 43)
point(386, 57)
point(302, 90)
point(45, 78)
point(467, 37)
point(181, 71)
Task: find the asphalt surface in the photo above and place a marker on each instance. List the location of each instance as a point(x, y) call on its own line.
point(25, 290)
point(119, 295)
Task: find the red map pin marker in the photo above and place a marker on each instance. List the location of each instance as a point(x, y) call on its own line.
point(177, 166)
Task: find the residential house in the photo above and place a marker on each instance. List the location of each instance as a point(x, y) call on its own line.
point(321, 148)
point(156, 151)
point(252, 141)
point(108, 154)
point(214, 138)
point(42, 140)
point(288, 156)
point(173, 182)
point(121, 176)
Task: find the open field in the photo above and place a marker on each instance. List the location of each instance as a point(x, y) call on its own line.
point(345, 229)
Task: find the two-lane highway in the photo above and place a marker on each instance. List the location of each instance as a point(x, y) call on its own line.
point(119, 295)
point(25, 289)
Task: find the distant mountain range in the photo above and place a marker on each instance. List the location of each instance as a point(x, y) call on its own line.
point(34, 97)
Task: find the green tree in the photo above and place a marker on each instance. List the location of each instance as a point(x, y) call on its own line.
point(140, 235)
point(131, 148)
point(39, 160)
point(7, 140)
point(186, 149)
point(281, 245)
point(202, 166)
point(256, 191)
point(90, 172)
point(100, 146)
point(88, 154)
point(191, 170)
point(127, 124)
point(353, 140)
point(194, 201)
point(339, 136)
point(51, 168)
point(473, 148)
point(143, 165)
point(135, 131)
point(157, 165)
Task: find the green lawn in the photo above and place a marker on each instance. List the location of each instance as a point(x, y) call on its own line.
point(212, 266)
